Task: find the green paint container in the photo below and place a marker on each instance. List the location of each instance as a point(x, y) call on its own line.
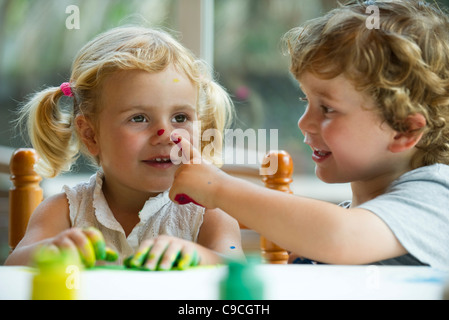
point(242, 282)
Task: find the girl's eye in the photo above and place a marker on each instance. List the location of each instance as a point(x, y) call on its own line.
point(139, 119)
point(180, 118)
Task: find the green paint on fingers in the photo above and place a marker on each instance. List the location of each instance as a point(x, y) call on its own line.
point(139, 258)
point(111, 255)
point(97, 239)
point(88, 255)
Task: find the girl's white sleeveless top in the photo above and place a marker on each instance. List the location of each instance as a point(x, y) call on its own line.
point(159, 216)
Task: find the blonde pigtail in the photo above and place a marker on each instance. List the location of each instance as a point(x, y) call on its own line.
point(216, 116)
point(51, 132)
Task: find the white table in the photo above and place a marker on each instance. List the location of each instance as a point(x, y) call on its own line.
point(281, 282)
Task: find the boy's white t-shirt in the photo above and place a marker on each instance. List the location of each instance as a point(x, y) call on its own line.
point(416, 208)
point(159, 216)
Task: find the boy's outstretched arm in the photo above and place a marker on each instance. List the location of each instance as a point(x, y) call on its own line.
point(311, 228)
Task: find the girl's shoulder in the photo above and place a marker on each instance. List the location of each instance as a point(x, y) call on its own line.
point(51, 215)
point(57, 201)
point(86, 185)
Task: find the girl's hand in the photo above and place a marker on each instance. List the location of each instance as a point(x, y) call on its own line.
point(87, 244)
point(164, 253)
point(196, 181)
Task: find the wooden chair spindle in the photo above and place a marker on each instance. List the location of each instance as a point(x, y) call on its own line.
point(25, 194)
point(277, 171)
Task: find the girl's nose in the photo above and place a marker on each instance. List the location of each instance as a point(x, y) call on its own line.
point(161, 135)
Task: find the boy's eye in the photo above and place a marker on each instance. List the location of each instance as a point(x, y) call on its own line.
point(327, 109)
point(180, 118)
point(140, 118)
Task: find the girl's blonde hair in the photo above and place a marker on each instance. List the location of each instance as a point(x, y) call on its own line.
point(403, 65)
point(51, 126)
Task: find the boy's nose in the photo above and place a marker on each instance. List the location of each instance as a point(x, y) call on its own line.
point(307, 122)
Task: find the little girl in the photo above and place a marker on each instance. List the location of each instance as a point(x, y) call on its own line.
point(130, 88)
point(377, 117)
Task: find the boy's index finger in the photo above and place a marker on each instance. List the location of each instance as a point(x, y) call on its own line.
point(189, 152)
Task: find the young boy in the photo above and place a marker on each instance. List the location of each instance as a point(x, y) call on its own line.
point(378, 107)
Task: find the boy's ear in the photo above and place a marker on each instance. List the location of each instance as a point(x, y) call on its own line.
point(406, 140)
point(87, 134)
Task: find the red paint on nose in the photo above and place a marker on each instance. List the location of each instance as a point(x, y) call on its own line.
point(160, 132)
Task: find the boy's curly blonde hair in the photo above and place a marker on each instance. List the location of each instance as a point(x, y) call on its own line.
point(403, 65)
point(50, 124)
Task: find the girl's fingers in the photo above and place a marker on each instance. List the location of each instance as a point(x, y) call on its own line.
point(156, 254)
point(64, 244)
point(190, 258)
point(76, 240)
point(98, 243)
point(65, 252)
point(111, 255)
point(141, 255)
point(171, 255)
point(164, 254)
point(86, 249)
point(87, 244)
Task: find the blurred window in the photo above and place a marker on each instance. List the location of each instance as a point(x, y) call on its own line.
point(251, 65)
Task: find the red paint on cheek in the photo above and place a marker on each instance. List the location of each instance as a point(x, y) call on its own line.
point(160, 132)
point(185, 199)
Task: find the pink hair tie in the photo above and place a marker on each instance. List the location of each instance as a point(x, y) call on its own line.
point(66, 89)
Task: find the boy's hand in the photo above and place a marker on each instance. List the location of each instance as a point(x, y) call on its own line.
point(164, 253)
point(196, 181)
point(88, 244)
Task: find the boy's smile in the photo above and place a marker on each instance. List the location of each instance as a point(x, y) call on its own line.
point(320, 155)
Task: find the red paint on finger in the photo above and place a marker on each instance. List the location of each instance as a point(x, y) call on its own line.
point(176, 139)
point(185, 199)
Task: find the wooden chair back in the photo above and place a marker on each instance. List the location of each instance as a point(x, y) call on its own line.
point(26, 194)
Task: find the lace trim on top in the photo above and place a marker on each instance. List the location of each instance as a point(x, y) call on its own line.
point(159, 215)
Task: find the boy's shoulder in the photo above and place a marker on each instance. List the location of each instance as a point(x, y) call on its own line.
point(428, 183)
point(438, 172)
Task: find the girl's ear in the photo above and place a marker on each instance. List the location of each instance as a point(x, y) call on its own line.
point(406, 140)
point(87, 134)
